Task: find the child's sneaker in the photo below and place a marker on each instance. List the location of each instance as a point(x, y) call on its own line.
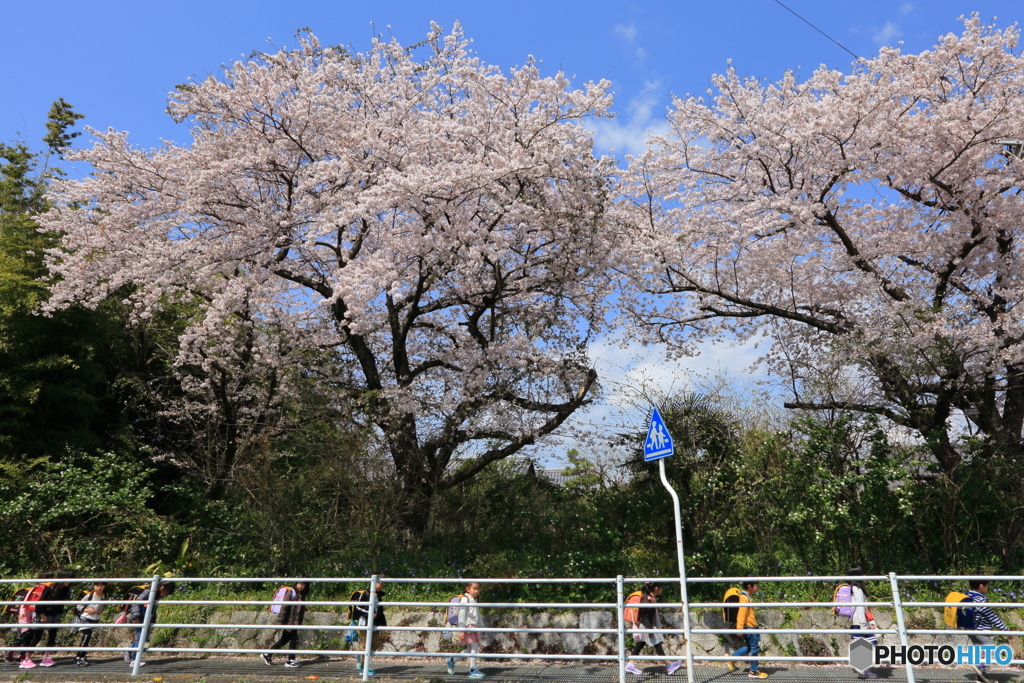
point(477, 673)
point(631, 668)
point(732, 666)
point(980, 670)
point(292, 664)
point(756, 674)
point(867, 673)
point(82, 661)
point(9, 657)
point(673, 667)
point(27, 663)
point(266, 658)
point(47, 661)
point(450, 663)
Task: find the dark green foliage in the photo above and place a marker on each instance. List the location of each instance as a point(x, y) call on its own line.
point(55, 371)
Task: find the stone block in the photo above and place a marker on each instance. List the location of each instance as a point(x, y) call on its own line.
point(770, 618)
point(596, 619)
point(565, 620)
point(574, 643)
point(243, 617)
point(405, 641)
point(432, 641)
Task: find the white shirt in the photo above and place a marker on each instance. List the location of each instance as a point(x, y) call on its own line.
point(469, 615)
point(88, 602)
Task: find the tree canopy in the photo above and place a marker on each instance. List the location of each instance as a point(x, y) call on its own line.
point(427, 236)
point(868, 223)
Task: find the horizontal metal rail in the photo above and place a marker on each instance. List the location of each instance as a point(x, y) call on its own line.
point(439, 608)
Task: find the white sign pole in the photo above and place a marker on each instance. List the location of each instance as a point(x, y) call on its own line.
point(682, 571)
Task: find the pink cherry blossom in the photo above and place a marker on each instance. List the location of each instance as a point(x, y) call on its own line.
point(868, 223)
point(434, 223)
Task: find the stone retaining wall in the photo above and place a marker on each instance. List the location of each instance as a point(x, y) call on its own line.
point(239, 635)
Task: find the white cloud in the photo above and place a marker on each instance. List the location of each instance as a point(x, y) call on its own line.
point(627, 32)
point(628, 134)
point(628, 373)
point(641, 53)
point(905, 8)
point(888, 33)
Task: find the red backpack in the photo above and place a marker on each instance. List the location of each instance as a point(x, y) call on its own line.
point(36, 594)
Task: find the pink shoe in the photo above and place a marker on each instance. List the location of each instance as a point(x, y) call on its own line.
point(27, 663)
point(47, 661)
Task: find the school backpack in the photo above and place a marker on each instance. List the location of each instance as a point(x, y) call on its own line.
point(132, 594)
point(355, 597)
point(36, 593)
point(958, 617)
point(453, 609)
point(632, 614)
point(280, 596)
point(843, 593)
point(19, 596)
point(731, 614)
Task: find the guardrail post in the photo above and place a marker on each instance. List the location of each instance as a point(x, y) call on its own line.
point(147, 622)
point(897, 603)
point(369, 627)
point(620, 601)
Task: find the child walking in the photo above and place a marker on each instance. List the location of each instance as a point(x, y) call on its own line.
point(88, 612)
point(746, 619)
point(27, 615)
point(860, 617)
point(379, 620)
point(137, 615)
point(293, 611)
point(984, 620)
point(645, 622)
point(469, 617)
point(51, 614)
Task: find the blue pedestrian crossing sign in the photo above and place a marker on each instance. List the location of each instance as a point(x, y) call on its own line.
point(659, 442)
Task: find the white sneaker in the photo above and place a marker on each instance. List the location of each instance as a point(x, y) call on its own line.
point(632, 669)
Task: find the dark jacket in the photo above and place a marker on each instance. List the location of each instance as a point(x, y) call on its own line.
point(362, 612)
point(137, 608)
point(53, 592)
point(293, 610)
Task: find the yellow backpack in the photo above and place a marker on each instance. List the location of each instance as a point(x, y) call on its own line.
point(956, 616)
point(730, 614)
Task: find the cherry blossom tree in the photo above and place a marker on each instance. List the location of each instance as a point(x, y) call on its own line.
point(434, 223)
point(868, 224)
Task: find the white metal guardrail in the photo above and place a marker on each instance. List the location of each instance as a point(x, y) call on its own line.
point(616, 586)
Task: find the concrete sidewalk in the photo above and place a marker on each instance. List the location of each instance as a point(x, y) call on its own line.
point(178, 669)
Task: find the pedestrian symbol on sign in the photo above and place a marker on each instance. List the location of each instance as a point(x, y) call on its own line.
point(659, 441)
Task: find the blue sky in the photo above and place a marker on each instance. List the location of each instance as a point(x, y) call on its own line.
point(116, 61)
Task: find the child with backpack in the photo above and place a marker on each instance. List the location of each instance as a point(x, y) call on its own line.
point(51, 614)
point(984, 619)
point(468, 617)
point(137, 615)
point(290, 613)
point(88, 612)
point(745, 619)
point(645, 621)
point(859, 616)
point(26, 615)
point(362, 616)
